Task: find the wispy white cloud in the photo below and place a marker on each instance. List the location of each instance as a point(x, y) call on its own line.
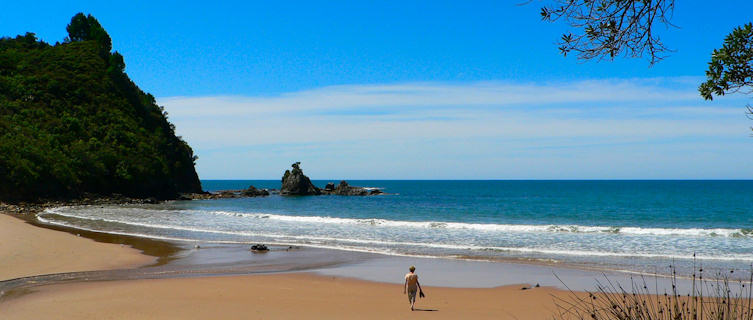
point(432, 95)
point(483, 121)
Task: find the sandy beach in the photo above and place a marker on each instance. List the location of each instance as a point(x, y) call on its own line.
point(281, 296)
point(28, 250)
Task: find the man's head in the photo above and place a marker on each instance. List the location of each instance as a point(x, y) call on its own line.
point(412, 268)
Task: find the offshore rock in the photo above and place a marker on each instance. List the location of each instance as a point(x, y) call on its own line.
point(253, 192)
point(225, 194)
point(295, 183)
point(344, 189)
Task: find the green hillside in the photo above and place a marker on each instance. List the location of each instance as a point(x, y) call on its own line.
point(72, 122)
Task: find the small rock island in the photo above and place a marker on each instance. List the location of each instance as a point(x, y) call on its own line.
point(295, 183)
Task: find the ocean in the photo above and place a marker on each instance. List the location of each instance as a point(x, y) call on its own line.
point(636, 226)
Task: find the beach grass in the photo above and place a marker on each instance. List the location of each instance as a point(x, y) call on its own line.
point(719, 297)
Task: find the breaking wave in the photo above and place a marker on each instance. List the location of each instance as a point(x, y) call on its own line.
point(389, 246)
point(691, 232)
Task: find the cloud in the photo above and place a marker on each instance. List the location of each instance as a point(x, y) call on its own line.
point(408, 124)
point(418, 95)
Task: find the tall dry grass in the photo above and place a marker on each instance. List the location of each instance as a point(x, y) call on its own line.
point(719, 297)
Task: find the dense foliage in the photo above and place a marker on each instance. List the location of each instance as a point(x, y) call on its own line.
point(72, 122)
point(731, 66)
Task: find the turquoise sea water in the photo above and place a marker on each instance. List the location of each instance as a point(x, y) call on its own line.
point(626, 225)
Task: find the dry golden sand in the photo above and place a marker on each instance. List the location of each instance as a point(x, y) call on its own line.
point(26, 250)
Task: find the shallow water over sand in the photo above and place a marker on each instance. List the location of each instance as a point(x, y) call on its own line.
point(637, 226)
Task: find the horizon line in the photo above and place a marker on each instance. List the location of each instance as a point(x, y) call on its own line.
point(597, 179)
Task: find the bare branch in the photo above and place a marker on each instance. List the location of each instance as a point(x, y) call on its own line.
point(606, 29)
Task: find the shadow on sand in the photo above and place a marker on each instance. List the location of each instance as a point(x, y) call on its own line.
point(417, 309)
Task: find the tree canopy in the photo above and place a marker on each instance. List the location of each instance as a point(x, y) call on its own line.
point(87, 28)
point(731, 66)
point(72, 122)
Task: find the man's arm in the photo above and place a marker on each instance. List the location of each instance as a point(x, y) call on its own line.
point(419, 284)
point(405, 286)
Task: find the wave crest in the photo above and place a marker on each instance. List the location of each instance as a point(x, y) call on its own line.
point(490, 227)
point(366, 245)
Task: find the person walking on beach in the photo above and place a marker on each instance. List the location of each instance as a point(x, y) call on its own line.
point(412, 286)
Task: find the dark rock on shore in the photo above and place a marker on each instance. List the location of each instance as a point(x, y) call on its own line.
point(29, 208)
point(329, 187)
point(229, 193)
point(198, 196)
point(295, 183)
point(185, 196)
point(224, 194)
point(259, 248)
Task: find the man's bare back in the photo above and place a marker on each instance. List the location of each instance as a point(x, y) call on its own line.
point(411, 281)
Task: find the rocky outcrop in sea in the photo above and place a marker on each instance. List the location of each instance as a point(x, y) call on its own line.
point(344, 189)
point(295, 183)
point(251, 191)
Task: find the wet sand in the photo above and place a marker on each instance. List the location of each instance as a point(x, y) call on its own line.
point(279, 296)
point(26, 250)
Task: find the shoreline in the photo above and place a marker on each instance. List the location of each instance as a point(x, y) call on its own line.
point(602, 251)
point(28, 250)
point(325, 283)
point(173, 248)
point(578, 277)
point(582, 271)
point(27, 212)
point(279, 280)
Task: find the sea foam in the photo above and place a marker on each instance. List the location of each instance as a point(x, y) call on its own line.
point(380, 245)
point(628, 230)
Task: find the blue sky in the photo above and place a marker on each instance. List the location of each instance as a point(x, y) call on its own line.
point(423, 89)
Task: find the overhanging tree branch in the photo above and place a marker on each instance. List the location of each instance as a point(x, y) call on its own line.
point(611, 28)
point(731, 66)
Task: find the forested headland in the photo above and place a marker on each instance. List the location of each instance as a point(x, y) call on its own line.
point(73, 123)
